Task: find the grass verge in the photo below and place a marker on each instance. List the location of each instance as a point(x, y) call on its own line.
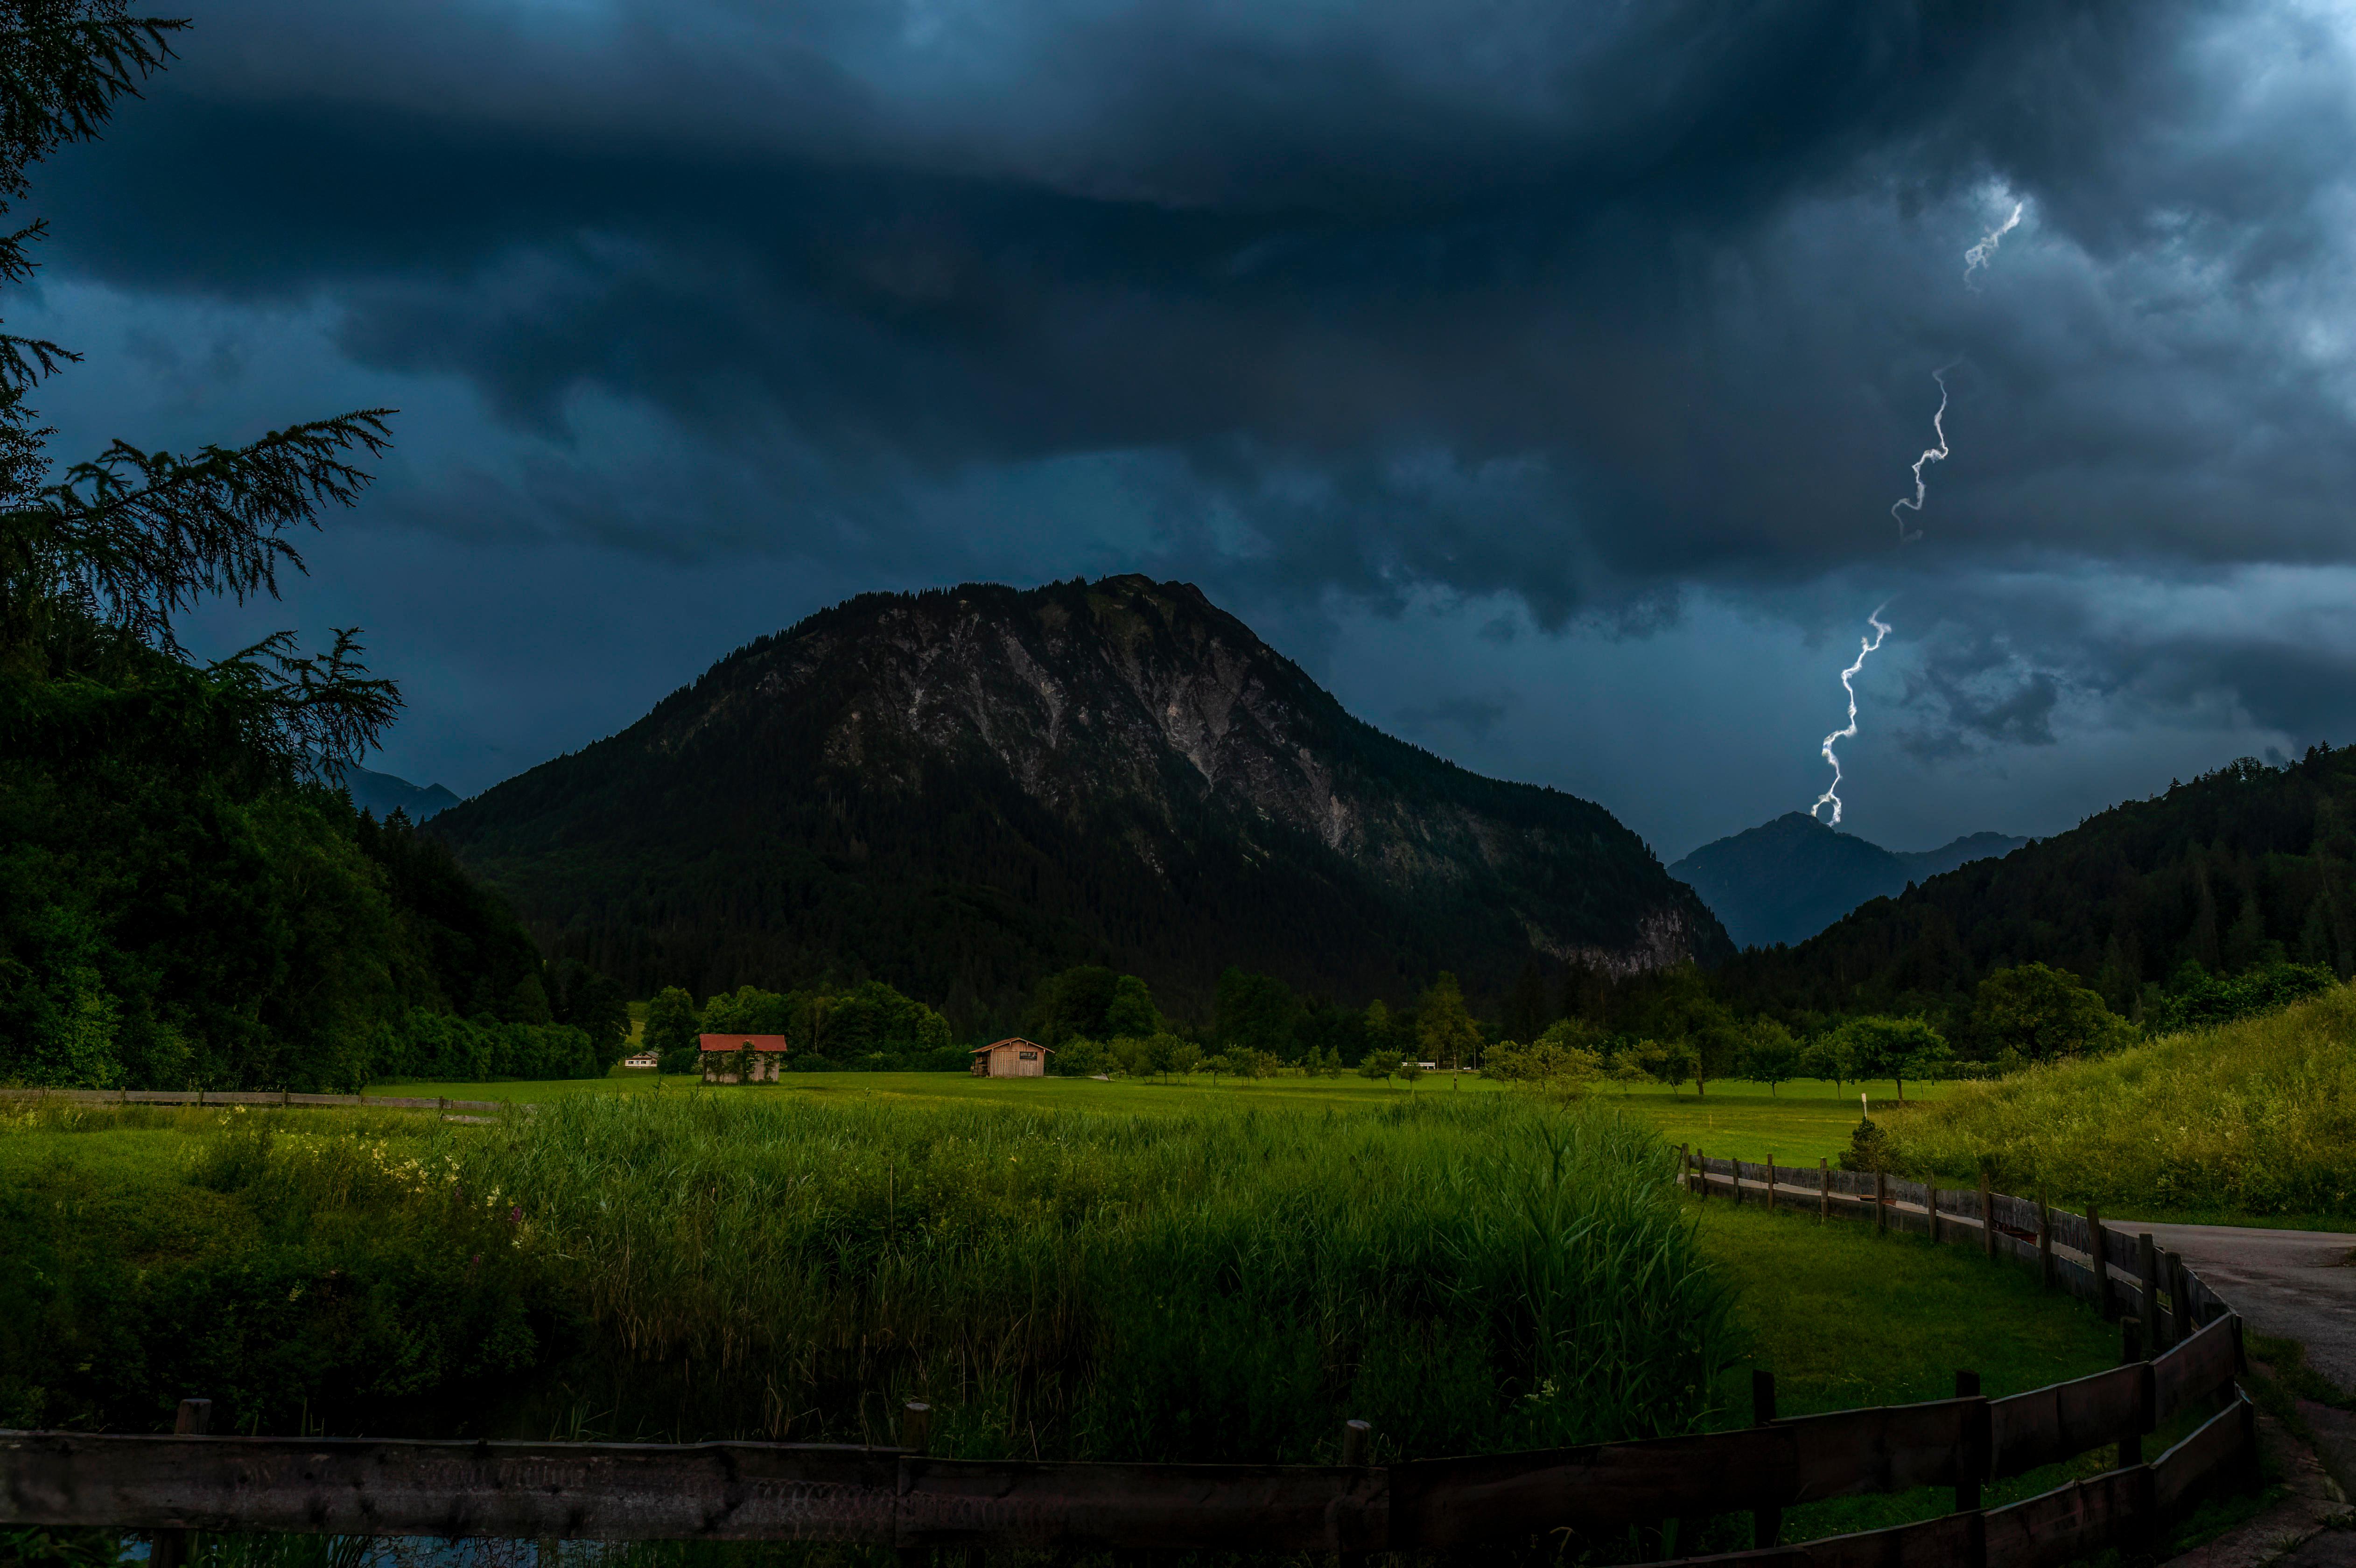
point(2255, 1118)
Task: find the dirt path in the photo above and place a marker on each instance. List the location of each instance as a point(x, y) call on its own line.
point(2293, 1284)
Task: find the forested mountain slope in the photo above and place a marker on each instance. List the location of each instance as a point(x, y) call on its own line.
point(961, 791)
point(1787, 879)
point(2240, 867)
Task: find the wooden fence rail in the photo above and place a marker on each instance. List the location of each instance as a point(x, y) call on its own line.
point(247, 1097)
point(905, 1498)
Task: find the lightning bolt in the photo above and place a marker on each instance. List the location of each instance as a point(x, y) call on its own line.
point(1865, 649)
point(1930, 454)
point(1979, 255)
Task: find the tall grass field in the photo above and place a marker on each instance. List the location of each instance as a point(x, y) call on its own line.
point(1484, 1273)
point(2255, 1118)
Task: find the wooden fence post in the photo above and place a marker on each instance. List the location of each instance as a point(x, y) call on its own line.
point(1356, 1436)
point(1684, 1164)
point(1771, 1183)
point(1988, 1215)
point(2253, 1467)
point(2181, 1320)
point(1978, 1459)
point(1881, 1200)
point(1766, 1523)
point(916, 1437)
point(1972, 1464)
point(1824, 1188)
point(2098, 1252)
point(2147, 1275)
point(1930, 1207)
point(2044, 1242)
point(170, 1547)
point(2131, 1353)
point(1701, 1173)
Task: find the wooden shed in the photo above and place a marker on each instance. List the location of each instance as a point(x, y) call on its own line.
point(1012, 1058)
point(743, 1058)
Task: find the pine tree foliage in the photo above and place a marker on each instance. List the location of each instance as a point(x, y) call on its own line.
point(183, 900)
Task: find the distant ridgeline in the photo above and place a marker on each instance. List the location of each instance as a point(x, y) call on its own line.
point(381, 794)
point(1787, 879)
point(2222, 896)
point(964, 791)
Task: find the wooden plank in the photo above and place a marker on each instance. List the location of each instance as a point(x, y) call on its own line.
point(1437, 1504)
point(2195, 1371)
point(400, 1103)
point(2211, 1452)
point(2018, 1215)
point(2060, 1421)
point(2073, 1276)
point(236, 1097)
point(475, 1105)
point(159, 1097)
point(1946, 1542)
point(323, 1100)
point(734, 1491)
point(1202, 1508)
point(2070, 1230)
point(2068, 1522)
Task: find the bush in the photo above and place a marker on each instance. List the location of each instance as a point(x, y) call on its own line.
point(2198, 999)
point(439, 1048)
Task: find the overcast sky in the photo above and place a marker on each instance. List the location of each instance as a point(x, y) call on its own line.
point(1539, 373)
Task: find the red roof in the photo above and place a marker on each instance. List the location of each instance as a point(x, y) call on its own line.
point(741, 1041)
point(1013, 1040)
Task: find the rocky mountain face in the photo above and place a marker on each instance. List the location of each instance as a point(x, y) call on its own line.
point(960, 790)
point(1787, 879)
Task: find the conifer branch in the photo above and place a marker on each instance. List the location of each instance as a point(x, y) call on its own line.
point(133, 537)
point(63, 64)
point(324, 708)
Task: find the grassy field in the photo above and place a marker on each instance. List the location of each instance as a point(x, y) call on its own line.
point(1481, 1272)
point(1228, 1276)
point(1798, 1122)
point(2254, 1120)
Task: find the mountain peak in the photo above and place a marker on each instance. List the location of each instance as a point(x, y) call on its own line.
point(961, 789)
point(1791, 876)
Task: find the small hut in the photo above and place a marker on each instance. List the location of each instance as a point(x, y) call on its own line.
point(742, 1058)
point(1012, 1058)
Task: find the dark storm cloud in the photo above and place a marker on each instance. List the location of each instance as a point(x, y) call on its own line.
point(1578, 303)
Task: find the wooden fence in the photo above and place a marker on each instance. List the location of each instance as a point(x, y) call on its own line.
point(903, 1498)
point(260, 1097)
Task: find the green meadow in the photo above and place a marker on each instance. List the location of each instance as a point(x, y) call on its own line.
point(839, 1245)
point(1797, 1122)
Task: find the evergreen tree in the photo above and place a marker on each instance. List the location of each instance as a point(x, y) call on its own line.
point(1526, 1013)
point(1444, 1029)
point(1131, 1011)
point(672, 1030)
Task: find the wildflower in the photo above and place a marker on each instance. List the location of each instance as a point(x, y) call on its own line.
point(514, 1214)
